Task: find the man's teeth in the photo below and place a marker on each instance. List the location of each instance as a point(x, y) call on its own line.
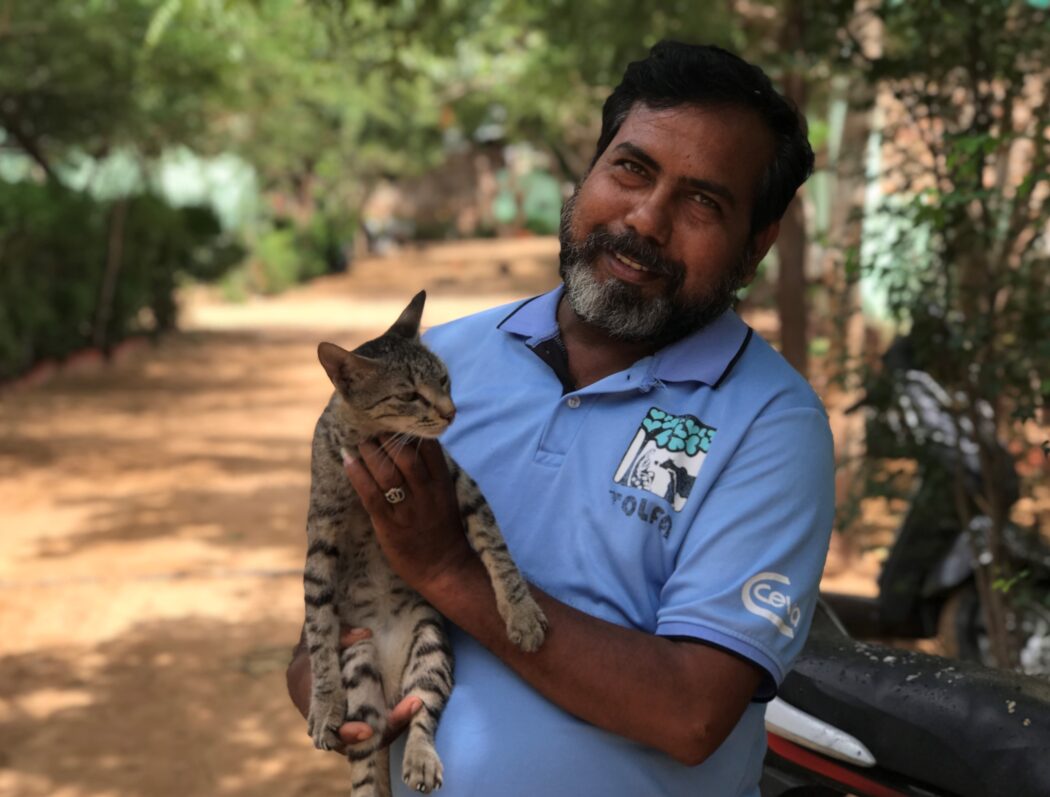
point(628, 262)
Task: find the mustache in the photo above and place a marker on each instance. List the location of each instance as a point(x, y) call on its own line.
point(632, 246)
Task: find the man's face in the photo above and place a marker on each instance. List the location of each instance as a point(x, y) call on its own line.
point(657, 239)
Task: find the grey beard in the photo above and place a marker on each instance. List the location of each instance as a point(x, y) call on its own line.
point(622, 310)
point(615, 307)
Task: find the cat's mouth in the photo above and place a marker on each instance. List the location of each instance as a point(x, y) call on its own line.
point(429, 429)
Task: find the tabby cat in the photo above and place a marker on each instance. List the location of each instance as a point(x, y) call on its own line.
point(392, 384)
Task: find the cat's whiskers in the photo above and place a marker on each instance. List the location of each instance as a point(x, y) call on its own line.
point(395, 444)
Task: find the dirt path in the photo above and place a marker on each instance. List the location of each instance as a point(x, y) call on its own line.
point(152, 538)
point(152, 517)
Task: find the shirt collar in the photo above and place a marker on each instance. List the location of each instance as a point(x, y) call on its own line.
point(707, 355)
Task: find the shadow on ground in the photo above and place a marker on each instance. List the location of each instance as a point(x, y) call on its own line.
point(199, 704)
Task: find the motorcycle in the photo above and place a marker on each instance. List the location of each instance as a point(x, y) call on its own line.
point(927, 587)
point(870, 720)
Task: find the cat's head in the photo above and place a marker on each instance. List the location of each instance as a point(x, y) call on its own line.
point(393, 383)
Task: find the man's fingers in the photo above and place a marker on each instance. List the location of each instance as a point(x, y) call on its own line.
point(433, 456)
point(398, 719)
point(364, 484)
point(401, 715)
point(380, 465)
point(354, 732)
point(348, 636)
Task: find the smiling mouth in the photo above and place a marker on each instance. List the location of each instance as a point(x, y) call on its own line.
point(630, 263)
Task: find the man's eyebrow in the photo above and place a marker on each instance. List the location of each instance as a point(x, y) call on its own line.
point(710, 187)
point(699, 184)
point(638, 153)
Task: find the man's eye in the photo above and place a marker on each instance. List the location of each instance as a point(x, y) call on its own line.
point(413, 396)
point(632, 167)
point(706, 201)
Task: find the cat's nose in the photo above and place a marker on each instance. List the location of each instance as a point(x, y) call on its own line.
point(447, 411)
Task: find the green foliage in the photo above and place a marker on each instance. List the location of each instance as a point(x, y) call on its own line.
point(54, 244)
point(284, 257)
point(47, 308)
point(969, 261)
point(78, 76)
point(277, 259)
point(1006, 584)
point(967, 264)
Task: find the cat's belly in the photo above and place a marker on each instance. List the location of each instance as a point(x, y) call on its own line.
point(393, 637)
point(392, 634)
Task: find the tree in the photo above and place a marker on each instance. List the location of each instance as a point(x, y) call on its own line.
point(78, 81)
point(81, 78)
point(966, 150)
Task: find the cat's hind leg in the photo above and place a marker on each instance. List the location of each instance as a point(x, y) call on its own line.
point(428, 676)
point(327, 704)
point(370, 777)
point(365, 702)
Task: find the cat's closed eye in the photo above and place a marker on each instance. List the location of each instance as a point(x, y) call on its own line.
point(411, 396)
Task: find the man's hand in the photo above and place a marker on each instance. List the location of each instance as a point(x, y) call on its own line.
point(421, 535)
point(299, 683)
point(679, 697)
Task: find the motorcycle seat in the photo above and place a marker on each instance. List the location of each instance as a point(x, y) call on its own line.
point(957, 726)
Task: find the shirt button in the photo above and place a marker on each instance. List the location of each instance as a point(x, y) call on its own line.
point(573, 402)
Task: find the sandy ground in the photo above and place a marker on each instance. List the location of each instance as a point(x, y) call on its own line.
point(152, 516)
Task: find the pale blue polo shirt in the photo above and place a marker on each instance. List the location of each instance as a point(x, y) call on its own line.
point(690, 495)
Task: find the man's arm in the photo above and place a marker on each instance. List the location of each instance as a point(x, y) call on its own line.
point(678, 697)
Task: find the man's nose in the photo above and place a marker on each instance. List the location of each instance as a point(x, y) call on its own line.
point(650, 217)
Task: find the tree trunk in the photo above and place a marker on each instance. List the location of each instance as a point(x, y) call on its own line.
point(791, 287)
point(792, 242)
point(30, 146)
point(114, 260)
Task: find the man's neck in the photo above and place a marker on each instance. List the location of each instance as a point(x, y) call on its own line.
point(593, 354)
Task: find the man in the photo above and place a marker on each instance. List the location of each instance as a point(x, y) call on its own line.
point(662, 476)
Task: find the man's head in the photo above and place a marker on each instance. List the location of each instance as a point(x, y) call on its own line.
point(697, 160)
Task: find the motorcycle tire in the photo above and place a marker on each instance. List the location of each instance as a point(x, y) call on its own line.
point(961, 628)
point(962, 634)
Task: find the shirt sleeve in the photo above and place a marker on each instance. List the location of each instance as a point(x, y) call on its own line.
point(748, 573)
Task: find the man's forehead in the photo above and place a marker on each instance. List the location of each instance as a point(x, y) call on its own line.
point(700, 141)
point(739, 125)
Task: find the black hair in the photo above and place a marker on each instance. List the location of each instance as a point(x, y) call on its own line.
point(691, 74)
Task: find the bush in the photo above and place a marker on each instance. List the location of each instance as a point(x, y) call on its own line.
point(286, 255)
point(54, 248)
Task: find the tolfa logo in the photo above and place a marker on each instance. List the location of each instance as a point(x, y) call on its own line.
point(665, 455)
point(762, 597)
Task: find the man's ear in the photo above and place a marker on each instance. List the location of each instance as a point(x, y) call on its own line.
point(760, 246)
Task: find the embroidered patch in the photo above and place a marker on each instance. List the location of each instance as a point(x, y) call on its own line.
point(665, 456)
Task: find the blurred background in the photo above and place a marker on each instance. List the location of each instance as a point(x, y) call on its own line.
point(193, 193)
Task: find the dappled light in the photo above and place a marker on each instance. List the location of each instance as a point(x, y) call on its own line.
point(195, 193)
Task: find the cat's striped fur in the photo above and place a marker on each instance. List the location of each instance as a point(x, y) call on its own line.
point(391, 384)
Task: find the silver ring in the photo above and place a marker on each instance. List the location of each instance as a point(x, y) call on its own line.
point(395, 495)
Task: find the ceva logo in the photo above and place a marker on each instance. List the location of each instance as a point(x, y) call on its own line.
point(761, 597)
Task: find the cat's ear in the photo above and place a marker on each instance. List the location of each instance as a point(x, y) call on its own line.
point(407, 325)
point(343, 366)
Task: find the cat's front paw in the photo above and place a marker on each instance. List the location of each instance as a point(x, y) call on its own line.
point(527, 625)
point(421, 768)
point(326, 715)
